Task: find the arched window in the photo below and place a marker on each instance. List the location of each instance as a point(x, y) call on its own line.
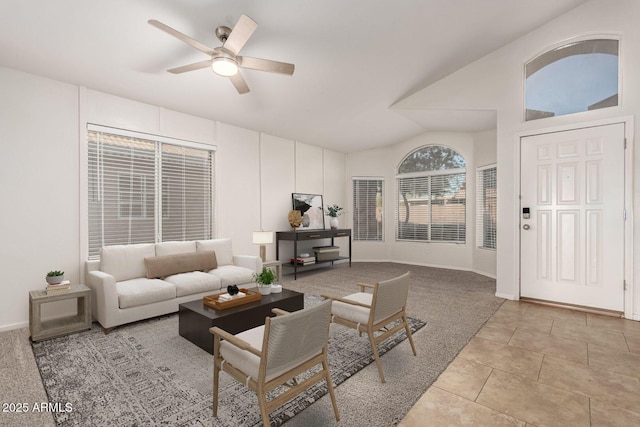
point(431, 202)
point(575, 77)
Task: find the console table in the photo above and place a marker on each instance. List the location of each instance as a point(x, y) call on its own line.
point(298, 236)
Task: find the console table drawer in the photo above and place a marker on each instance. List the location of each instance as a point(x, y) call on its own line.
point(313, 235)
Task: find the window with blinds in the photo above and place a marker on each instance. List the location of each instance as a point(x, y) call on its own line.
point(147, 189)
point(486, 206)
point(368, 208)
point(431, 196)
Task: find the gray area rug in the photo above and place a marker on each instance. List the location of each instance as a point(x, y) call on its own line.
point(146, 374)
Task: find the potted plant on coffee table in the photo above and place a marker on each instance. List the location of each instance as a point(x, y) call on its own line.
point(264, 279)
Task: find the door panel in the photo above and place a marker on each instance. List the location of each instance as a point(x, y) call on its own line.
point(572, 246)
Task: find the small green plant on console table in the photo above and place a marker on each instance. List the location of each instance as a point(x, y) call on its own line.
point(334, 211)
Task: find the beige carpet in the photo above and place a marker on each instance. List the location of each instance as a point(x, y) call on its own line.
point(454, 304)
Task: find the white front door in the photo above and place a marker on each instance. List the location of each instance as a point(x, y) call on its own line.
point(572, 244)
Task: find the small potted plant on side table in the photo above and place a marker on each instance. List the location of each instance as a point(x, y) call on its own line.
point(334, 211)
point(264, 279)
point(54, 277)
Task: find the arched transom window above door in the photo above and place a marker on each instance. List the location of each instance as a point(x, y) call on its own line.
point(575, 77)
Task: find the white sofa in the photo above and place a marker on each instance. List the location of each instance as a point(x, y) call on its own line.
point(124, 288)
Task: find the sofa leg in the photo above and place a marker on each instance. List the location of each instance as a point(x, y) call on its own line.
point(107, 330)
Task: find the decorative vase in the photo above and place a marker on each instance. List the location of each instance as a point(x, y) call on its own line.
point(295, 219)
point(333, 222)
point(265, 290)
point(306, 220)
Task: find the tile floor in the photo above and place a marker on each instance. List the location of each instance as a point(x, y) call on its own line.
point(533, 365)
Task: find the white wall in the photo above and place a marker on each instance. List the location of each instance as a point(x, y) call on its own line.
point(38, 188)
point(496, 82)
point(43, 226)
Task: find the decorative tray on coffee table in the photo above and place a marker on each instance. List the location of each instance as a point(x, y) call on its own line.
point(213, 300)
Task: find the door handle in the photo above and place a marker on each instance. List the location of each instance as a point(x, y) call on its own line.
point(526, 227)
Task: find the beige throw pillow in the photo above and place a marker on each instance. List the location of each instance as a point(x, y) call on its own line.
point(166, 265)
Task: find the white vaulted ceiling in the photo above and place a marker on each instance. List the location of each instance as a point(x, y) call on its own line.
point(354, 58)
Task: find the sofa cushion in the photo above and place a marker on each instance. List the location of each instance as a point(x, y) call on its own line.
point(166, 265)
point(172, 248)
point(222, 247)
point(125, 262)
point(193, 283)
point(141, 291)
point(354, 313)
point(232, 275)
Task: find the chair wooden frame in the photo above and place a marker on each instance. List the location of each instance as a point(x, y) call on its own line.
point(371, 327)
point(260, 386)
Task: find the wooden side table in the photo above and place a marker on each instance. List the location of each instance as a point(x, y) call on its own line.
point(42, 330)
point(275, 265)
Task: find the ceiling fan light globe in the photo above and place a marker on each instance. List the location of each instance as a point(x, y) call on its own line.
point(225, 67)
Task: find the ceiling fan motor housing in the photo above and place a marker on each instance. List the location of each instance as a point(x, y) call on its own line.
point(222, 33)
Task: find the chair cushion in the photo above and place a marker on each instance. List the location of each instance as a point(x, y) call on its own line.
point(350, 312)
point(172, 248)
point(166, 265)
point(141, 291)
point(125, 262)
point(222, 247)
point(232, 275)
point(193, 282)
point(246, 361)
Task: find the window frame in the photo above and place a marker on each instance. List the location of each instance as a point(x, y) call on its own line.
point(557, 47)
point(159, 183)
point(379, 237)
point(429, 176)
point(481, 209)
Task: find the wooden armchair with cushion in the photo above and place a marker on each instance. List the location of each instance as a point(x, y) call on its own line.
point(372, 313)
point(273, 355)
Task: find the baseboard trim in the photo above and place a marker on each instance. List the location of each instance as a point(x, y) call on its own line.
point(580, 308)
point(507, 296)
point(13, 326)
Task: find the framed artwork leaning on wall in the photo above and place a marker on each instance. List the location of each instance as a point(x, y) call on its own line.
point(311, 209)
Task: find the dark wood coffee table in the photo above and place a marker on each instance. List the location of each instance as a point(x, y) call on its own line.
point(195, 318)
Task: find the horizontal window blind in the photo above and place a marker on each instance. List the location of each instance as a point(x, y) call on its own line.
point(187, 198)
point(368, 209)
point(431, 207)
point(486, 207)
point(142, 190)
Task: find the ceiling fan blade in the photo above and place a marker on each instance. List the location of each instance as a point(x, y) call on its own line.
point(239, 82)
point(265, 65)
point(182, 37)
point(240, 34)
point(190, 67)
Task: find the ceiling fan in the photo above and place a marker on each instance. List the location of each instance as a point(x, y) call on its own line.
point(224, 60)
